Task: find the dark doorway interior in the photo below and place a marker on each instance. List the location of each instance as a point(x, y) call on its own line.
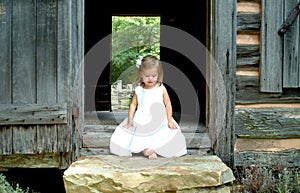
point(189, 16)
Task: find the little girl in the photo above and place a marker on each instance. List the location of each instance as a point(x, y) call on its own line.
point(150, 127)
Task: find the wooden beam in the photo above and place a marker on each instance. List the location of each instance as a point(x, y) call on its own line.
point(285, 158)
point(248, 23)
point(272, 122)
point(33, 114)
point(247, 54)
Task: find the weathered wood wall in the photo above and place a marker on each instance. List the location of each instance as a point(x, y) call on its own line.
point(221, 78)
point(36, 83)
point(264, 118)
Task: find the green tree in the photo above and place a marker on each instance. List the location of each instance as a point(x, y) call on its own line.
point(132, 37)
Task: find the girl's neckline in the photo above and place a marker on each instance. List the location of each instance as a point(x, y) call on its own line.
point(151, 87)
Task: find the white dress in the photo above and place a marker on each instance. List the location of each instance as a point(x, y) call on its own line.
point(150, 128)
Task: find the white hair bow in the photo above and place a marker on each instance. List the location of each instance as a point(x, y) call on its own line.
point(139, 62)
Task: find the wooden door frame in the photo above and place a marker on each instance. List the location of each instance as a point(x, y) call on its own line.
point(221, 77)
point(222, 51)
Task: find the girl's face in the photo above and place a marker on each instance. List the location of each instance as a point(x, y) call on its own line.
point(149, 77)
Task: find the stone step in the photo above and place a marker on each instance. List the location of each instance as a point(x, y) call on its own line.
point(100, 126)
point(114, 118)
point(101, 139)
point(109, 173)
point(89, 151)
point(185, 127)
point(97, 143)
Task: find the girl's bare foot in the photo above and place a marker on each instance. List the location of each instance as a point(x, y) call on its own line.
point(152, 156)
point(149, 153)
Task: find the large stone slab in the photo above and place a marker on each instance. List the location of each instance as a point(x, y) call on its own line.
point(109, 173)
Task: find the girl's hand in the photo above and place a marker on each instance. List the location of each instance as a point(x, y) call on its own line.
point(127, 126)
point(172, 125)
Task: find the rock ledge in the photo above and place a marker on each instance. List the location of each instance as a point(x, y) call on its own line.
point(109, 173)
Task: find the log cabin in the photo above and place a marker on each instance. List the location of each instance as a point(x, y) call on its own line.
point(249, 100)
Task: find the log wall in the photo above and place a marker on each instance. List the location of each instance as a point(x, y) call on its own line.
point(267, 125)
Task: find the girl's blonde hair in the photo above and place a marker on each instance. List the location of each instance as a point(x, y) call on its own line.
point(148, 62)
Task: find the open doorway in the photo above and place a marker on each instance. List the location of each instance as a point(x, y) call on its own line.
point(132, 38)
point(193, 22)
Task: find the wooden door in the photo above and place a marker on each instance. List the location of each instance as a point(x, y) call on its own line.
point(279, 66)
point(35, 83)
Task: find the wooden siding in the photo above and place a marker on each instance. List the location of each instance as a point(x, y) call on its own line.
point(36, 81)
point(284, 158)
point(271, 49)
point(291, 41)
point(23, 62)
point(248, 22)
point(5, 54)
point(280, 55)
point(271, 116)
point(280, 123)
point(222, 77)
point(33, 114)
point(249, 60)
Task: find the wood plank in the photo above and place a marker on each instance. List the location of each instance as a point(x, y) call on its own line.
point(24, 51)
point(77, 78)
point(188, 128)
point(222, 77)
point(63, 51)
point(271, 46)
point(248, 22)
point(101, 140)
point(5, 53)
point(291, 61)
point(24, 140)
point(197, 140)
point(248, 55)
point(33, 114)
point(105, 151)
point(46, 52)
point(247, 90)
point(267, 122)
point(64, 85)
point(285, 158)
point(47, 70)
point(94, 151)
point(6, 139)
point(47, 138)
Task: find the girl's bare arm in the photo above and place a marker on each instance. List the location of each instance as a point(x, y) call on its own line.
point(169, 109)
point(132, 109)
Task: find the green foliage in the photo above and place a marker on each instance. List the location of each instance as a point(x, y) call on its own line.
point(132, 37)
point(6, 187)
